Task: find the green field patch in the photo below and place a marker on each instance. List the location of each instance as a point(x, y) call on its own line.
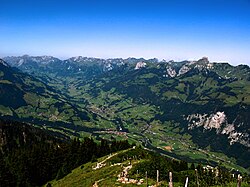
point(5, 110)
point(5, 82)
point(31, 99)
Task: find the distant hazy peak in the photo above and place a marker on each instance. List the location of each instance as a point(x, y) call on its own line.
point(201, 63)
point(203, 60)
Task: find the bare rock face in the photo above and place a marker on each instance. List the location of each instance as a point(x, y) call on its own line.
point(20, 62)
point(208, 122)
point(171, 72)
point(108, 67)
point(210, 66)
point(228, 129)
point(140, 65)
point(202, 64)
point(3, 63)
point(219, 122)
point(184, 69)
point(216, 120)
point(204, 60)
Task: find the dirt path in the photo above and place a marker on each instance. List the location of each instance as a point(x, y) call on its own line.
point(102, 163)
point(96, 183)
point(123, 177)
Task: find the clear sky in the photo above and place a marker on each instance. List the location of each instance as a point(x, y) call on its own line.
point(174, 29)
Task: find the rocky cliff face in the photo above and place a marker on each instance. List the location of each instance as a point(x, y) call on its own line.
point(3, 63)
point(219, 122)
point(140, 65)
point(174, 69)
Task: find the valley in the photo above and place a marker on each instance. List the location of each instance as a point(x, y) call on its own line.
point(154, 104)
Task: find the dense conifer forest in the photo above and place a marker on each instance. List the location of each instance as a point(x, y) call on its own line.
point(31, 157)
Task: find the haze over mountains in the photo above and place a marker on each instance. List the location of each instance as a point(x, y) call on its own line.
point(196, 107)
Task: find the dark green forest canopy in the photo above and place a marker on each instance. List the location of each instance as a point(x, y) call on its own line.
point(31, 156)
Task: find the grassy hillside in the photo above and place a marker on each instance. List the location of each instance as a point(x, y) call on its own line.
point(25, 98)
point(133, 163)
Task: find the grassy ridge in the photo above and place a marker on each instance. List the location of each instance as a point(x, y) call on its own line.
point(108, 175)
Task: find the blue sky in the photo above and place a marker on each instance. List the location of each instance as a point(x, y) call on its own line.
point(175, 29)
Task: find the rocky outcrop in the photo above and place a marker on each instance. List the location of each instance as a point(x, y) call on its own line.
point(219, 122)
point(184, 69)
point(3, 63)
point(207, 121)
point(140, 65)
point(171, 72)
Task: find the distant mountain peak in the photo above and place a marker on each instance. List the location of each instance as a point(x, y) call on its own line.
point(77, 58)
point(203, 60)
point(25, 56)
point(179, 68)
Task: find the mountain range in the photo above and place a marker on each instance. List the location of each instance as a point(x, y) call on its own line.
point(192, 110)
